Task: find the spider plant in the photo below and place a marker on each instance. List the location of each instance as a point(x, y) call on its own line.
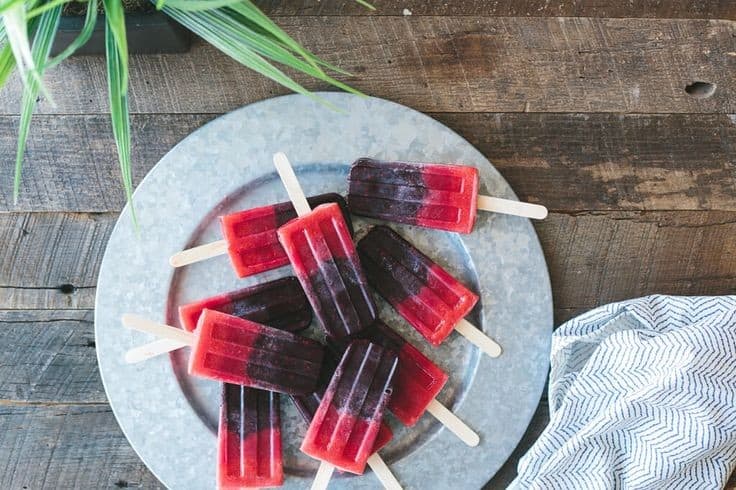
point(235, 27)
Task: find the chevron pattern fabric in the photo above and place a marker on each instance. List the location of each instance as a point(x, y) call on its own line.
point(642, 395)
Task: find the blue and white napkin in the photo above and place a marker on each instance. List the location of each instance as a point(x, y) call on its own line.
point(642, 394)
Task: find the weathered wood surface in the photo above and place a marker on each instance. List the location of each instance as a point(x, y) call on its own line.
point(627, 162)
point(48, 357)
point(690, 9)
point(51, 260)
point(594, 257)
point(67, 446)
point(587, 115)
point(443, 64)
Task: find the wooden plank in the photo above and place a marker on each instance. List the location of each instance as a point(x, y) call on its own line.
point(51, 260)
point(610, 161)
point(71, 162)
point(594, 258)
point(443, 64)
point(48, 356)
point(50, 447)
point(689, 9)
point(569, 162)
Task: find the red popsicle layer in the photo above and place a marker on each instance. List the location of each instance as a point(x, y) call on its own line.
point(253, 245)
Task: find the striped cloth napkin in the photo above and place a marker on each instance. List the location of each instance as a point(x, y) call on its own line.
point(642, 394)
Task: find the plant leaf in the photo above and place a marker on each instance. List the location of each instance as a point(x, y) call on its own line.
point(43, 39)
point(117, 85)
point(224, 29)
point(195, 5)
point(7, 63)
point(115, 23)
point(35, 12)
point(16, 28)
point(89, 25)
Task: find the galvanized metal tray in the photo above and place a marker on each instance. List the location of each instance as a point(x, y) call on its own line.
point(170, 418)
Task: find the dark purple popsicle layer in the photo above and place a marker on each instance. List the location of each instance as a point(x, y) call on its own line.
point(280, 304)
point(323, 256)
point(419, 289)
point(392, 193)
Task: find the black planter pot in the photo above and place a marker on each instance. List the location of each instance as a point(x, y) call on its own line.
point(147, 34)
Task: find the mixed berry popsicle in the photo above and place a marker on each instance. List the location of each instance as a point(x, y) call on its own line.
point(417, 381)
point(238, 351)
point(343, 431)
point(250, 237)
point(322, 253)
point(307, 407)
point(426, 194)
point(424, 293)
point(416, 384)
point(280, 304)
point(249, 439)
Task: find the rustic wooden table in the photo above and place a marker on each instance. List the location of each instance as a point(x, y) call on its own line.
point(582, 107)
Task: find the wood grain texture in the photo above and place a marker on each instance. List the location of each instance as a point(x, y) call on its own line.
point(689, 9)
point(569, 162)
point(71, 161)
point(594, 257)
point(443, 64)
point(67, 446)
point(599, 258)
point(48, 357)
point(610, 161)
point(51, 260)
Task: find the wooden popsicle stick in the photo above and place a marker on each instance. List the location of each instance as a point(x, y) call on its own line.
point(481, 340)
point(164, 331)
point(384, 473)
point(198, 254)
point(291, 183)
point(515, 208)
point(324, 474)
point(453, 423)
point(152, 349)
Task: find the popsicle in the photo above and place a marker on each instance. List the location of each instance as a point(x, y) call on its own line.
point(280, 304)
point(322, 253)
point(249, 439)
point(238, 351)
point(432, 195)
point(307, 406)
point(416, 384)
point(250, 237)
point(343, 431)
point(424, 293)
